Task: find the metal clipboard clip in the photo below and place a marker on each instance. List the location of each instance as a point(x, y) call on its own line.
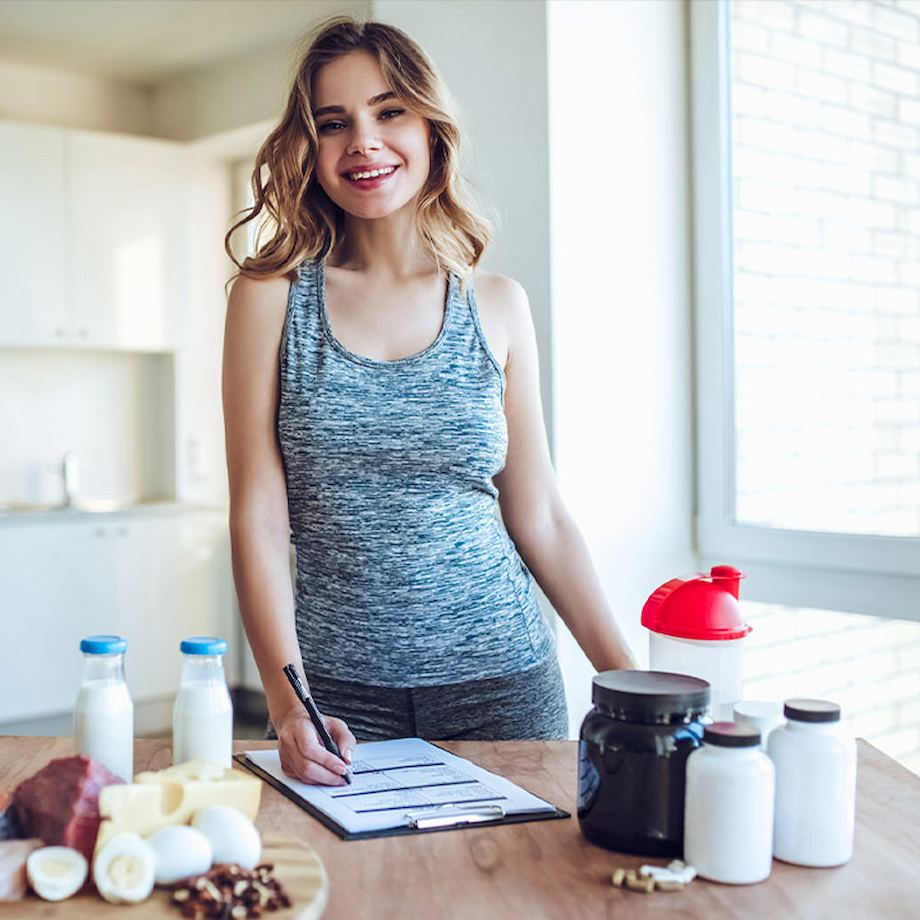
point(450, 815)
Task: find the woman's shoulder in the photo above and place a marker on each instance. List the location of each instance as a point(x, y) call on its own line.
point(257, 306)
point(501, 297)
point(504, 310)
point(260, 291)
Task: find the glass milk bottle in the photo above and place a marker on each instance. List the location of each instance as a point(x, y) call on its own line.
point(103, 723)
point(203, 713)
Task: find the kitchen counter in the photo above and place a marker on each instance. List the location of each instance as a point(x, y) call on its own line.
point(97, 509)
point(547, 869)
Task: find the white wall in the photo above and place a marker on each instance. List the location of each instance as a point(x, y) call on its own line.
point(113, 410)
point(621, 307)
point(70, 100)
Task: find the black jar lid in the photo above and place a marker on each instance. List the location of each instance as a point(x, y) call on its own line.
point(731, 734)
point(649, 696)
point(801, 710)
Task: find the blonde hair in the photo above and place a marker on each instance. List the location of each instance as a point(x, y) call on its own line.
point(306, 223)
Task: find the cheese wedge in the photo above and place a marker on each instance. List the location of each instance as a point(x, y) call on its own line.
point(172, 796)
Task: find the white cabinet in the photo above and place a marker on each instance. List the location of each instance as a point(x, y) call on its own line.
point(161, 577)
point(94, 234)
point(150, 578)
point(54, 591)
point(127, 231)
point(33, 208)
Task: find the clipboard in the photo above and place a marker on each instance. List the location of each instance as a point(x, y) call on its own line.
point(430, 818)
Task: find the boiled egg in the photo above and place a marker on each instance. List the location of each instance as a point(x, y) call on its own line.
point(56, 873)
point(181, 851)
point(234, 838)
point(124, 869)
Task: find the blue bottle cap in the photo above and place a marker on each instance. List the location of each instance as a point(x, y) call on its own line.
point(103, 645)
point(203, 645)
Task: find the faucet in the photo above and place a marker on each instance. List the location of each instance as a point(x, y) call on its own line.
point(70, 474)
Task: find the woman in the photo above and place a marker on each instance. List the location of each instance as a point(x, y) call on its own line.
point(380, 398)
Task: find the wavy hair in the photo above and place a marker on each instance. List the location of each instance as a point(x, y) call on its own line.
point(306, 223)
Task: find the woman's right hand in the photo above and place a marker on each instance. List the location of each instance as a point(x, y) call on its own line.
point(303, 755)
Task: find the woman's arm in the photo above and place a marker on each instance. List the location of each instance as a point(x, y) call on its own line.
point(534, 513)
point(259, 525)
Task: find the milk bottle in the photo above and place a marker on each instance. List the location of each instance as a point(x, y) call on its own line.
point(104, 713)
point(203, 713)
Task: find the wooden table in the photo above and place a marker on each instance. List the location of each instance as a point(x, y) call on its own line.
point(547, 869)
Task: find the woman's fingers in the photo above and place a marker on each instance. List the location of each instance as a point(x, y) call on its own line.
point(309, 771)
point(304, 757)
point(344, 739)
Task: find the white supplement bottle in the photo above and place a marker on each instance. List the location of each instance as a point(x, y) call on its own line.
point(103, 717)
point(203, 713)
point(728, 806)
point(815, 760)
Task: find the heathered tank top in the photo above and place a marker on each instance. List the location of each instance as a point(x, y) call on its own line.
point(405, 574)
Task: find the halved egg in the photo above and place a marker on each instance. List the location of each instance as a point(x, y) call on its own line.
point(56, 873)
point(124, 869)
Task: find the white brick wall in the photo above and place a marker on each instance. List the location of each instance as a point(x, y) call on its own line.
point(825, 98)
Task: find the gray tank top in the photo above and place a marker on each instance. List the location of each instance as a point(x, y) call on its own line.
point(406, 575)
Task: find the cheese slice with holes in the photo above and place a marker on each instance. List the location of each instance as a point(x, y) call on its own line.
point(172, 796)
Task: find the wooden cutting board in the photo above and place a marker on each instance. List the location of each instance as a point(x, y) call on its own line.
point(297, 867)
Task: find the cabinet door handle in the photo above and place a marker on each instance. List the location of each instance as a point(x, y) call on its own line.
point(83, 332)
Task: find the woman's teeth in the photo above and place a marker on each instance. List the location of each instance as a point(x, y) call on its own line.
point(372, 174)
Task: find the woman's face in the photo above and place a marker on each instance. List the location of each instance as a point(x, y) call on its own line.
point(363, 132)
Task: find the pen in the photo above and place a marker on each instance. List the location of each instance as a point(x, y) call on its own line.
point(308, 704)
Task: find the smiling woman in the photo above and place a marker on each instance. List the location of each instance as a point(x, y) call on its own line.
point(379, 407)
point(356, 84)
point(373, 125)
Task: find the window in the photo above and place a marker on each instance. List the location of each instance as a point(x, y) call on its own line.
point(869, 665)
point(806, 158)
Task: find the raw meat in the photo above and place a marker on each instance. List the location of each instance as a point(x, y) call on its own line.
point(13, 856)
point(60, 803)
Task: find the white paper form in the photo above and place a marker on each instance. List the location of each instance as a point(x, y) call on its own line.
point(393, 781)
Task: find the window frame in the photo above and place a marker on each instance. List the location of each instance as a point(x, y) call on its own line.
point(869, 574)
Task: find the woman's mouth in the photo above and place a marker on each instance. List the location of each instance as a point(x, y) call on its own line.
point(368, 181)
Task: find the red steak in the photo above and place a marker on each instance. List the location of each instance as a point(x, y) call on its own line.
point(60, 803)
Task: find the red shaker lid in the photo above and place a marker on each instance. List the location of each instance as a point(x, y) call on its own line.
point(698, 607)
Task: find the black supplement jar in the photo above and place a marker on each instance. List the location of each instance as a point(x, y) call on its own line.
point(632, 758)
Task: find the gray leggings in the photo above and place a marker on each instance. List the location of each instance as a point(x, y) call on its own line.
point(529, 705)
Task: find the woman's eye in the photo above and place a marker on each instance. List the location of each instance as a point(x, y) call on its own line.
point(334, 125)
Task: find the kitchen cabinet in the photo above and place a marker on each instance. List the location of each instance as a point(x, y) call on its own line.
point(150, 578)
point(94, 236)
point(33, 301)
point(127, 240)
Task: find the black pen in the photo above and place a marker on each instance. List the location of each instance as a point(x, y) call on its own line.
point(308, 704)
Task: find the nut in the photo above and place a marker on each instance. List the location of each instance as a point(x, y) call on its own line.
point(230, 892)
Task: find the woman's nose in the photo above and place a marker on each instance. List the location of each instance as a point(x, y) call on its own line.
point(363, 137)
